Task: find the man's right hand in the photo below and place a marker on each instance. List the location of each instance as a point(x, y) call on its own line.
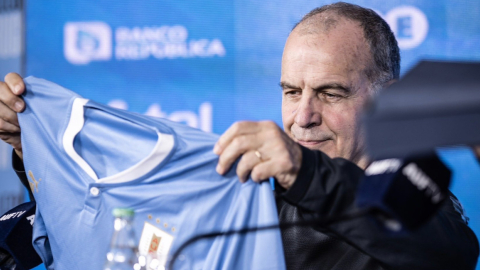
point(10, 105)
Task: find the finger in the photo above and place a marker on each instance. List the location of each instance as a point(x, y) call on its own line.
point(248, 161)
point(282, 166)
point(237, 129)
point(8, 98)
point(7, 127)
point(15, 82)
point(263, 171)
point(8, 115)
point(13, 139)
point(238, 146)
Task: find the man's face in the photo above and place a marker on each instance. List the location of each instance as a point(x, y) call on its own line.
point(325, 89)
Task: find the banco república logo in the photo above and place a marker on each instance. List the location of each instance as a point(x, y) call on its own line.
point(87, 41)
point(93, 41)
point(163, 42)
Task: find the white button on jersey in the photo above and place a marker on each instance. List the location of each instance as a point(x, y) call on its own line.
point(94, 191)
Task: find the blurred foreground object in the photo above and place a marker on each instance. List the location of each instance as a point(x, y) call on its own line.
point(405, 193)
point(123, 253)
point(16, 249)
point(435, 104)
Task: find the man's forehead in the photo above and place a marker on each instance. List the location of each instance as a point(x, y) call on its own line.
point(344, 43)
point(345, 47)
point(331, 29)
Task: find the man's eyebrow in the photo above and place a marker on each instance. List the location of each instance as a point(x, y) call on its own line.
point(336, 86)
point(286, 85)
point(320, 88)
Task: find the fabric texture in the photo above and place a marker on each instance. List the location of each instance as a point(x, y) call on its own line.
point(84, 159)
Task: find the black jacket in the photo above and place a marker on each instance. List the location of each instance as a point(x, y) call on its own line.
point(326, 187)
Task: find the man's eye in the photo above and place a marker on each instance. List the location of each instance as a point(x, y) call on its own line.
point(331, 97)
point(292, 92)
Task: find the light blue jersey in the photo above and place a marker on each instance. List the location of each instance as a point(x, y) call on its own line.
point(83, 159)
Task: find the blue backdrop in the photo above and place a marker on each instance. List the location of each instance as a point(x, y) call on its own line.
point(11, 51)
point(209, 63)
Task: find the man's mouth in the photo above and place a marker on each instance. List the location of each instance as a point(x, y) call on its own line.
point(310, 143)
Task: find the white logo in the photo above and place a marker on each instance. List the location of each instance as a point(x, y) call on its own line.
point(31, 219)
point(383, 166)
point(87, 41)
point(163, 42)
point(92, 41)
point(421, 180)
point(12, 215)
point(202, 120)
point(409, 24)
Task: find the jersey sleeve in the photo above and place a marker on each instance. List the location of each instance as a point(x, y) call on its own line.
point(327, 187)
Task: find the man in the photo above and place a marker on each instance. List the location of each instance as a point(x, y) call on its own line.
point(334, 61)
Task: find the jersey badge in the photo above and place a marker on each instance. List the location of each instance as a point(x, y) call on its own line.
point(34, 183)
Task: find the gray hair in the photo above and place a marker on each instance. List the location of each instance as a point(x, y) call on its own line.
point(383, 45)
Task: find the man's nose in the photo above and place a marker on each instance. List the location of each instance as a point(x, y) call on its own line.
point(308, 112)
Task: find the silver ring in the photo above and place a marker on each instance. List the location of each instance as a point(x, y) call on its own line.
point(258, 155)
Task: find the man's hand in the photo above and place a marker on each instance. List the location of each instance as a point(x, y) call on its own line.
point(267, 152)
point(10, 105)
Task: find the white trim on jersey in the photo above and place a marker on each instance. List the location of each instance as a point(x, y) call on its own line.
point(161, 150)
point(75, 124)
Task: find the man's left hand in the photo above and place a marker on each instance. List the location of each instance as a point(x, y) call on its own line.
point(266, 152)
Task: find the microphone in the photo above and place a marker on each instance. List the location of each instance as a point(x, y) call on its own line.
point(404, 193)
point(437, 103)
point(16, 228)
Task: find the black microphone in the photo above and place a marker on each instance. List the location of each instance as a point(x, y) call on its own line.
point(16, 228)
point(405, 193)
point(437, 103)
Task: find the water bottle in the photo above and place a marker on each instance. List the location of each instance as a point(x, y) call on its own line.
point(123, 253)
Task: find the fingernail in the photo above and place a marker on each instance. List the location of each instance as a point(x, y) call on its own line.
point(219, 169)
point(18, 105)
point(17, 89)
point(216, 149)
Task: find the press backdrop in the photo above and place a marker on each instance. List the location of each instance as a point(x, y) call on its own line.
point(212, 62)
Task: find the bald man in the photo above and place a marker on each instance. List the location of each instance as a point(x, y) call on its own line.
point(335, 59)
